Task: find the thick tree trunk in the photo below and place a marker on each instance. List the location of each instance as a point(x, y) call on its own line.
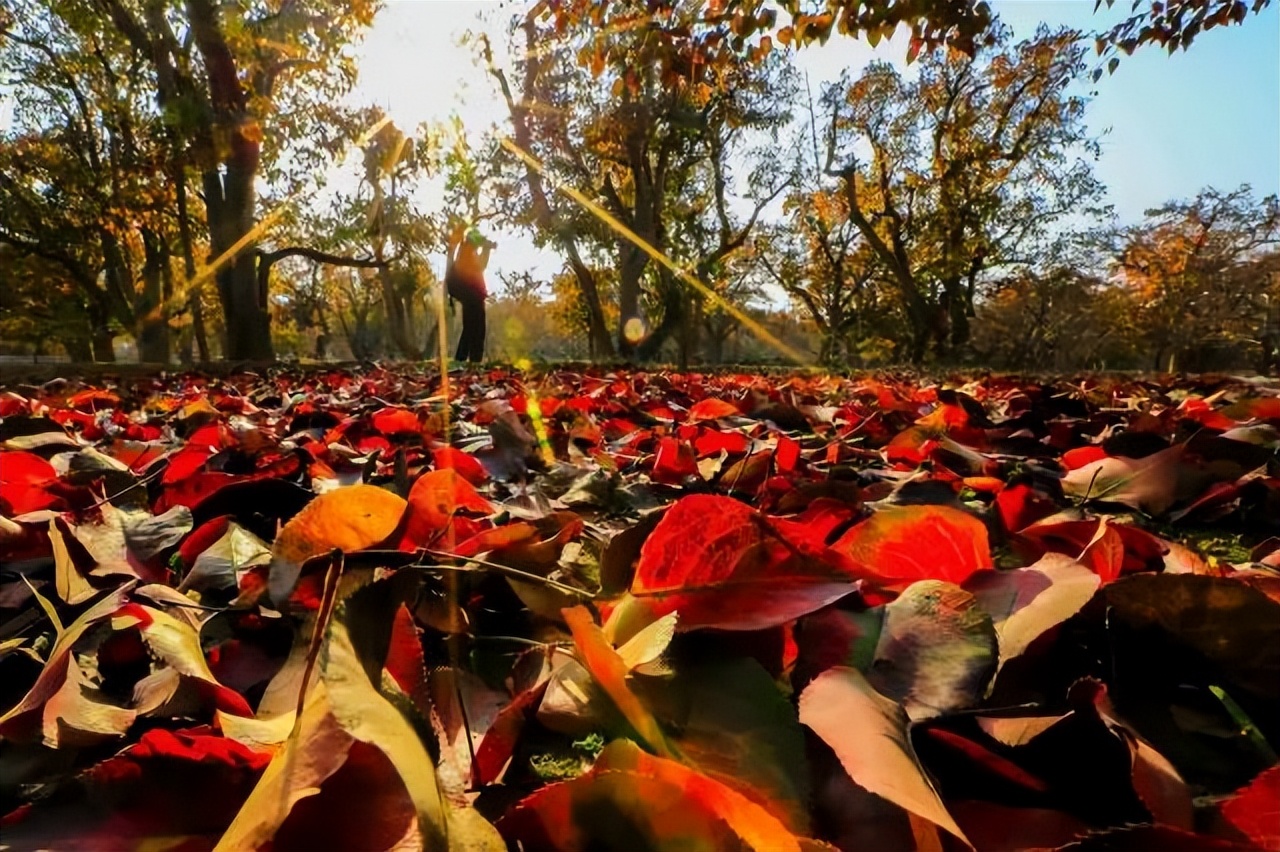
point(673, 314)
point(631, 264)
point(229, 200)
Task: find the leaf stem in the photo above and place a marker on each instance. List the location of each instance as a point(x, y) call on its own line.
point(507, 571)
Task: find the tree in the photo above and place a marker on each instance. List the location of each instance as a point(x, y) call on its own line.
point(1060, 318)
point(818, 256)
point(749, 27)
point(525, 199)
point(623, 132)
point(82, 177)
point(234, 89)
point(963, 170)
point(1203, 276)
point(41, 304)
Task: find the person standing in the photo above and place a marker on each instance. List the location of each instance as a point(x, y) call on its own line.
point(468, 256)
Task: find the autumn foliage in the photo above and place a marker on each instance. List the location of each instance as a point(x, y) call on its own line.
point(639, 610)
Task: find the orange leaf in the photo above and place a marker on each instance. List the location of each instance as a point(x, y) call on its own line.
point(712, 409)
point(346, 519)
point(395, 421)
point(759, 828)
point(665, 805)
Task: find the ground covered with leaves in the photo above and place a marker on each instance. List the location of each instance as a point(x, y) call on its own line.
point(582, 610)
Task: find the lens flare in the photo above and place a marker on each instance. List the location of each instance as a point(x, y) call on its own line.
point(634, 330)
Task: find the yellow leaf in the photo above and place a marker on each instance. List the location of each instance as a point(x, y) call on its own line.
point(70, 584)
point(55, 670)
point(316, 751)
point(362, 712)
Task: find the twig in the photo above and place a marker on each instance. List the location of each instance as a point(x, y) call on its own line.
point(506, 570)
point(139, 484)
point(327, 601)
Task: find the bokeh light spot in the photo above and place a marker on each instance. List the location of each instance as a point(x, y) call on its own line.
point(634, 330)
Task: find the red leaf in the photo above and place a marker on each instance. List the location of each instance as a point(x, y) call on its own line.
point(1081, 456)
point(720, 563)
point(185, 463)
point(993, 763)
point(901, 544)
point(499, 742)
point(404, 661)
point(712, 409)
point(1021, 505)
point(787, 455)
point(712, 441)
point(673, 462)
point(395, 421)
point(467, 465)
point(202, 538)
point(23, 477)
point(1255, 810)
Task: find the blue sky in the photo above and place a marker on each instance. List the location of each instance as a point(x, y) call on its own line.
point(1209, 116)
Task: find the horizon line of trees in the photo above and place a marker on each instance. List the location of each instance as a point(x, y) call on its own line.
point(162, 180)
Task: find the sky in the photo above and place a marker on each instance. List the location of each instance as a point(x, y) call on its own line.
point(1170, 125)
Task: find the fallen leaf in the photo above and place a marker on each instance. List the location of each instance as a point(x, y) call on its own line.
point(1026, 602)
point(722, 564)
point(1149, 484)
point(869, 734)
point(1255, 810)
point(609, 671)
point(346, 519)
point(70, 584)
point(898, 545)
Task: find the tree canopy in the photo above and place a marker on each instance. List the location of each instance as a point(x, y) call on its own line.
point(164, 178)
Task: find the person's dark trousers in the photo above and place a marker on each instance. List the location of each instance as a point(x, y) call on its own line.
point(471, 343)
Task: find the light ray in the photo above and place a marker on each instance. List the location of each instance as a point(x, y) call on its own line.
point(762, 333)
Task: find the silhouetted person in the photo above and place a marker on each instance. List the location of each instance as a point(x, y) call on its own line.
point(464, 280)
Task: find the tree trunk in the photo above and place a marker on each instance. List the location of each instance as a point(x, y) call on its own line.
point(958, 314)
point(118, 278)
point(104, 351)
point(151, 328)
point(398, 324)
point(631, 266)
point(78, 348)
point(194, 305)
point(599, 342)
point(672, 319)
point(229, 200)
